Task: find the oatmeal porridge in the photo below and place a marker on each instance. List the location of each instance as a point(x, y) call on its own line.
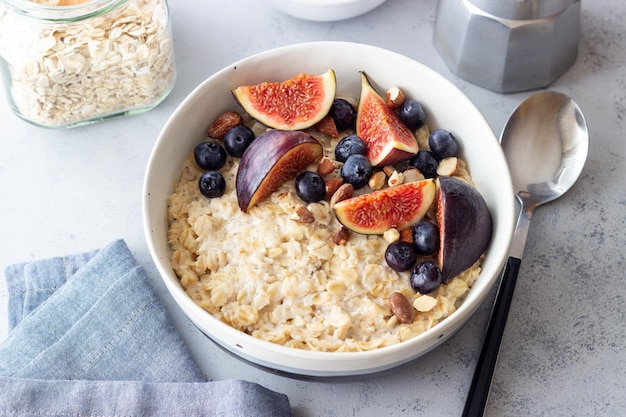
point(286, 281)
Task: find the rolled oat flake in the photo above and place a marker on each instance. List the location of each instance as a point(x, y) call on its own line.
point(67, 63)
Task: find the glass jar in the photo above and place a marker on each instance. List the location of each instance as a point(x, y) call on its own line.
point(75, 62)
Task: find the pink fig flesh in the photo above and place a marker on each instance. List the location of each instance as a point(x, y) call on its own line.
point(387, 138)
point(294, 104)
point(393, 207)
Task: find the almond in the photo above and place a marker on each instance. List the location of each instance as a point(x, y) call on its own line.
point(396, 178)
point(388, 170)
point(391, 235)
point(424, 303)
point(303, 215)
point(401, 307)
point(332, 185)
point(223, 124)
point(327, 126)
point(341, 236)
point(447, 166)
point(326, 166)
point(343, 193)
point(377, 180)
point(395, 97)
point(406, 235)
point(412, 174)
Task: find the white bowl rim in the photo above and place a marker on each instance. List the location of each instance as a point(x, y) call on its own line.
point(340, 361)
point(325, 10)
point(328, 3)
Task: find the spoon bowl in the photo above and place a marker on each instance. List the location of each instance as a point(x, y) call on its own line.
point(545, 142)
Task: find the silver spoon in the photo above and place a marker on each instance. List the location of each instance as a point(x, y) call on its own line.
point(545, 142)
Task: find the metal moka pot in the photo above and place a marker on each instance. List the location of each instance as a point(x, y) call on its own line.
point(508, 45)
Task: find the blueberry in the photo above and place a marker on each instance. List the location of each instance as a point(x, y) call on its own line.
point(401, 256)
point(357, 170)
point(425, 237)
point(209, 155)
point(442, 143)
point(426, 277)
point(343, 114)
point(237, 140)
point(426, 162)
point(310, 186)
point(212, 184)
point(412, 114)
point(349, 145)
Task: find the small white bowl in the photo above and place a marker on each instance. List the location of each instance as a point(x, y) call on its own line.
point(446, 106)
point(325, 10)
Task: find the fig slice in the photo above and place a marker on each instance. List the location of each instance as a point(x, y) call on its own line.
point(387, 138)
point(394, 207)
point(465, 225)
point(294, 104)
point(271, 159)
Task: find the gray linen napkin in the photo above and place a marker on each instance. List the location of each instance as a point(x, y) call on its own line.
point(90, 337)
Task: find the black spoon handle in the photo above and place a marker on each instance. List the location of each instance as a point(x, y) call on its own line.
point(481, 382)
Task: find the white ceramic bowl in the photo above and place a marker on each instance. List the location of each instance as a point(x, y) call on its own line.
point(325, 10)
point(446, 107)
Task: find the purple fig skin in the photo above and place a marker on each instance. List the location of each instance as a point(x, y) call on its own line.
point(465, 225)
point(272, 158)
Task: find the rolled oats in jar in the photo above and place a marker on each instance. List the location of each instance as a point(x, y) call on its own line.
point(72, 62)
